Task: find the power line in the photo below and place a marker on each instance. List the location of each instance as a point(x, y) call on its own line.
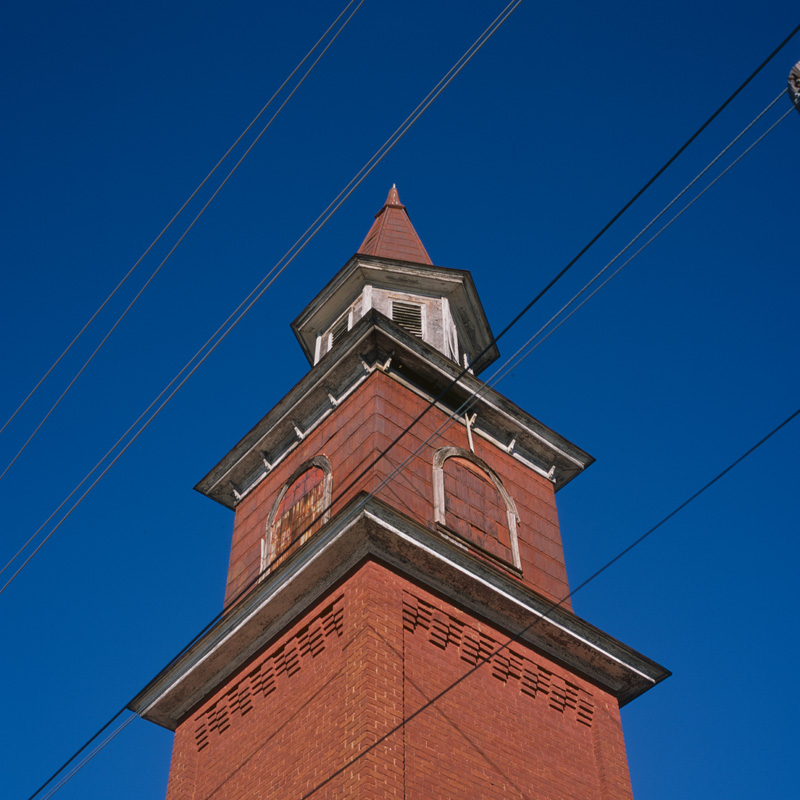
point(437, 697)
point(510, 364)
point(175, 217)
point(182, 236)
point(89, 756)
point(525, 350)
point(647, 185)
point(499, 375)
point(258, 291)
point(310, 232)
point(521, 354)
point(486, 659)
point(467, 403)
point(720, 475)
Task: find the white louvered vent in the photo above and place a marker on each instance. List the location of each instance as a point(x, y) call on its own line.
point(338, 330)
point(408, 316)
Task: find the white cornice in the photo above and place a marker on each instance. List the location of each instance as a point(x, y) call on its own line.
point(367, 528)
point(371, 344)
point(387, 273)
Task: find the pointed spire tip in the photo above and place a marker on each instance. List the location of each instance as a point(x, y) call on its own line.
point(393, 198)
point(392, 235)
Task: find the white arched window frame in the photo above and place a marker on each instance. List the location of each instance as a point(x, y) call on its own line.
point(321, 462)
point(512, 516)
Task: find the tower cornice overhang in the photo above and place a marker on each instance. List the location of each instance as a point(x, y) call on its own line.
point(363, 270)
point(378, 344)
point(369, 529)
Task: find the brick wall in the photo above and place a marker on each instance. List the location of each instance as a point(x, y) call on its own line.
point(383, 690)
point(367, 423)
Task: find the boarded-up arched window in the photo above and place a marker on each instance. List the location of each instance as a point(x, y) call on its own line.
point(300, 510)
point(471, 501)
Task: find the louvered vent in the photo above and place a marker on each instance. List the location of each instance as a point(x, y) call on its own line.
point(409, 317)
point(337, 331)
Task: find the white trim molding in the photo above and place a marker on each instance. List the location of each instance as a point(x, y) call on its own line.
point(439, 511)
point(369, 529)
point(319, 461)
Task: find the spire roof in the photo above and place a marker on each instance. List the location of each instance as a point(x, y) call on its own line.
point(393, 236)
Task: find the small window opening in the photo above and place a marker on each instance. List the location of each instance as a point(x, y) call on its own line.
point(409, 317)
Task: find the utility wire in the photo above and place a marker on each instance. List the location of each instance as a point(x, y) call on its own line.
point(496, 378)
point(437, 697)
point(260, 288)
point(177, 214)
point(620, 555)
point(244, 307)
point(511, 364)
point(183, 235)
point(89, 756)
point(161, 394)
point(523, 352)
point(546, 615)
point(645, 187)
point(83, 747)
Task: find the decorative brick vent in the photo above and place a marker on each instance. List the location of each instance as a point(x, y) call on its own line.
point(506, 665)
point(261, 681)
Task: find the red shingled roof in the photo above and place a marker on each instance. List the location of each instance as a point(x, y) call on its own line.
point(393, 236)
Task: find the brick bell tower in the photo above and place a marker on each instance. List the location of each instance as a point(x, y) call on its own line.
point(397, 638)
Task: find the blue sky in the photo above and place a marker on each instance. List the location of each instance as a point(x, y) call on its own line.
point(113, 114)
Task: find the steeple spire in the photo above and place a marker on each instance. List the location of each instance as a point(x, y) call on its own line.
point(333, 571)
point(392, 235)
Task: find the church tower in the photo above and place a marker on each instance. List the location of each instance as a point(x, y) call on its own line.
point(395, 625)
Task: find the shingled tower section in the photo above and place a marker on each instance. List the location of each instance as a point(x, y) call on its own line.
point(396, 623)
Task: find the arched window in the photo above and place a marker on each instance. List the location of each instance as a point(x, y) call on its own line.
point(470, 500)
point(301, 508)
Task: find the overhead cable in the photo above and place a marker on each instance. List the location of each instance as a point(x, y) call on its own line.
point(183, 235)
point(256, 293)
point(647, 185)
point(635, 543)
point(511, 363)
point(622, 553)
point(526, 349)
point(292, 253)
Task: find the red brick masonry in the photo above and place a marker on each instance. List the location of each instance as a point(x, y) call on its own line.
point(364, 425)
point(383, 690)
